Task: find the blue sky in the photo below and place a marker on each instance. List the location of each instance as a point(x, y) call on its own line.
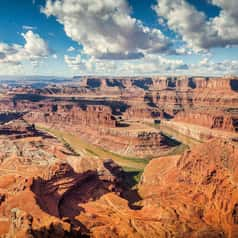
point(124, 37)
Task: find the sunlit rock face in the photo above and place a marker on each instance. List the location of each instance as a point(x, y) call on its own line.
point(106, 108)
point(92, 115)
point(68, 195)
point(212, 120)
point(197, 189)
point(92, 99)
point(42, 182)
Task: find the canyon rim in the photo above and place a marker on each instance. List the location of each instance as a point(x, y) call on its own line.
point(119, 119)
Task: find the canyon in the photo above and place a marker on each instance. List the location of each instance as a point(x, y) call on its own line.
point(190, 195)
point(120, 157)
point(100, 103)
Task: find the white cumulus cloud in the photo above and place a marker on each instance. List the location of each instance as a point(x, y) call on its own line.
point(150, 64)
point(195, 29)
point(34, 50)
point(106, 29)
point(71, 49)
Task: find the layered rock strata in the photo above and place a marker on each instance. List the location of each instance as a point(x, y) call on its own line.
point(42, 182)
point(189, 195)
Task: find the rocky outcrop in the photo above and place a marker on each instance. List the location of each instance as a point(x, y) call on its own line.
point(197, 132)
point(103, 83)
point(48, 190)
point(175, 94)
point(92, 116)
point(61, 189)
point(131, 97)
point(193, 195)
point(197, 189)
point(6, 105)
point(98, 105)
point(137, 143)
point(105, 124)
point(212, 120)
point(42, 182)
point(141, 112)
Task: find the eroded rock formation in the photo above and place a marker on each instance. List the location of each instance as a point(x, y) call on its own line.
point(193, 195)
point(210, 119)
point(197, 188)
point(42, 181)
point(106, 108)
point(91, 116)
point(48, 190)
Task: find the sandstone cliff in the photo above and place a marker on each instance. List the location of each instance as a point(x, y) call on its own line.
point(47, 190)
